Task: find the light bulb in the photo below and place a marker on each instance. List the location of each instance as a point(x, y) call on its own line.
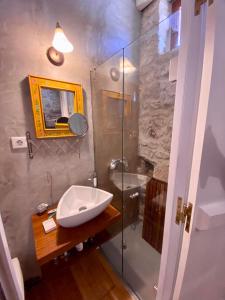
point(60, 41)
point(126, 66)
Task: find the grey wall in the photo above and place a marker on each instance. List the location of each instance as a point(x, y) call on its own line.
point(97, 29)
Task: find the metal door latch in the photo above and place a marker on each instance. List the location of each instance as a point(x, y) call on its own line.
point(184, 213)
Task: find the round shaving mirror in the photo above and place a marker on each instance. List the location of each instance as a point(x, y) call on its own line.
point(78, 124)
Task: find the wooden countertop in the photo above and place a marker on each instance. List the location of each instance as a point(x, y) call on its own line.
point(56, 242)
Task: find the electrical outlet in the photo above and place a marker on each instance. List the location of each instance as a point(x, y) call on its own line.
point(19, 142)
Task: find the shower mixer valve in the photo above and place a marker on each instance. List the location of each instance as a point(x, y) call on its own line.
point(134, 195)
point(116, 162)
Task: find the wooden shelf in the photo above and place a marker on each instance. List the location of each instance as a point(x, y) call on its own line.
point(56, 242)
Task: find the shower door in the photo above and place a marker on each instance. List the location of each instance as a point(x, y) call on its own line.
point(137, 105)
point(133, 106)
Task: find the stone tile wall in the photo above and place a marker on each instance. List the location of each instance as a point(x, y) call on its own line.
point(157, 94)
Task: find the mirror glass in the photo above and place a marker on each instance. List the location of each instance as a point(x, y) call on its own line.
point(78, 124)
point(58, 106)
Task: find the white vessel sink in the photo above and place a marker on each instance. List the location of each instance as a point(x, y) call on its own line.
point(80, 204)
point(130, 180)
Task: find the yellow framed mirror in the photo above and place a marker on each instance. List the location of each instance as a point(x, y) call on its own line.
point(53, 102)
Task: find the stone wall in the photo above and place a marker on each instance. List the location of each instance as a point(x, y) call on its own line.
point(97, 29)
point(157, 94)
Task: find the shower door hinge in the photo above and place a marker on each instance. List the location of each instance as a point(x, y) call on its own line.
point(198, 4)
point(184, 213)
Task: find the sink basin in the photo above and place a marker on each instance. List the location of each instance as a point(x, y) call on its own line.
point(130, 180)
point(80, 204)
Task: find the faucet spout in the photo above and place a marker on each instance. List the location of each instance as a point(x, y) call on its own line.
point(116, 162)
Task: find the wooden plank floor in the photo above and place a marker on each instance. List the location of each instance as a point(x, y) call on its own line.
point(87, 277)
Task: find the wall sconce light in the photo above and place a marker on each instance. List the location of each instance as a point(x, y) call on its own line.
point(60, 45)
point(126, 66)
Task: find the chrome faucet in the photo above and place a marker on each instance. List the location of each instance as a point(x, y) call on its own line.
point(93, 179)
point(116, 162)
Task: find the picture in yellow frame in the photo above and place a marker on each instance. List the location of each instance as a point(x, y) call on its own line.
point(53, 102)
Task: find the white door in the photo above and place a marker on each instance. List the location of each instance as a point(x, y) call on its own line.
point(201, 271)
point(190, 65)
point(11, 280)
point(192, 265)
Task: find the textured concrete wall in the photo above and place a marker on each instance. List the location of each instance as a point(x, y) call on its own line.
point(157, 94)
point(97, 29)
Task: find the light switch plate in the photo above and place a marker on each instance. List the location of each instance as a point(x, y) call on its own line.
point(19, 142)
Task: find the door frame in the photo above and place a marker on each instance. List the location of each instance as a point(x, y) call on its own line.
point(190, 65)
point(8, 278)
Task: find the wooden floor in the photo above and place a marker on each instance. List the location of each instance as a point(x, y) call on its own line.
point(87, 277)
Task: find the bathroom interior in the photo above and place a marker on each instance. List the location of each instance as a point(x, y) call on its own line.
point(88, 93)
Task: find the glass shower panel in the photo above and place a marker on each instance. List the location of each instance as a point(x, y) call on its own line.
point(149, 95)
point(107, 105)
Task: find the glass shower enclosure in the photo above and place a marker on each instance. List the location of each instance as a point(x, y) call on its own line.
point(133, 96)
